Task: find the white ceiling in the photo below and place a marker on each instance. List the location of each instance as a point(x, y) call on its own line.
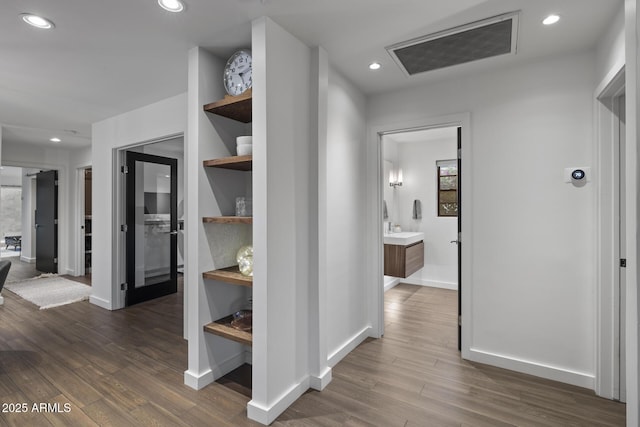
point(108, 57)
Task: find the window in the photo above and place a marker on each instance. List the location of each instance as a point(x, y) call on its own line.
point(447, 187)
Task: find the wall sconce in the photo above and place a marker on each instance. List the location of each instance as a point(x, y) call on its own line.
point(395, 180)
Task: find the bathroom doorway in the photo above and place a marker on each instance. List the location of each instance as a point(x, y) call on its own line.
point(421, 214)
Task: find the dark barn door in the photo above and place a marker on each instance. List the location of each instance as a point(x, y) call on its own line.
point(46, 221)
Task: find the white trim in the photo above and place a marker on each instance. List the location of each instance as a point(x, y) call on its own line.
point(607, 356)
point(267, 414)
point(100, 302)
point(374, 254)
point(196, 381)
point(221, 369)
point(1, 300)
point(348, 346)
point(392, 284)
point(27, 259)
point(431, 283)
point(321, 381)
point(580, 379)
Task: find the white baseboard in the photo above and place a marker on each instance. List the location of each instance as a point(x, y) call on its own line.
point(348, 346)
point(321, 381)
point(1, 300)
point(391, 284)
point(580, 379)
point(196, 381)
point(27, 259)
point(100, 302)
point(267, 414)
point(431, 283)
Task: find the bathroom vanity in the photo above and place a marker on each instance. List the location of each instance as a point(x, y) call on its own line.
point(403, 253)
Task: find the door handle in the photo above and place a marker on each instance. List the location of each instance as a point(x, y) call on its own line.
point(454, 241)
point(174, 232)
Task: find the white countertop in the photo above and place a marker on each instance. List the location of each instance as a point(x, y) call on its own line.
point(404, 238)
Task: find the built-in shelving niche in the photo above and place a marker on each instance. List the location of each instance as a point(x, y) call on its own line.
point(237, 108)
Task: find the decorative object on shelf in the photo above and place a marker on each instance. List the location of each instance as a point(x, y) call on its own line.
point(237, 73)
point(242, 320)
point(244, 145)
point(245, 260)
point(244, 206)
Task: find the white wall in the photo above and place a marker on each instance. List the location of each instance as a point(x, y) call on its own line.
point(347, 316)
point(418, 163)
point(610, 50)
point(632, 24)
point(162, 119)
point(532, 236)
point(65, 161)
point(285, 226)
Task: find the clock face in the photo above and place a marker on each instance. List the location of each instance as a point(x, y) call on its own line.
point(237, 73)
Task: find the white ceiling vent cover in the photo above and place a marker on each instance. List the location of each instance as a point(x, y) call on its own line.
point(478, 40)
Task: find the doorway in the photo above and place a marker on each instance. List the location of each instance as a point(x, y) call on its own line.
point(151, 226)
point(613, 225)
point(421, 201)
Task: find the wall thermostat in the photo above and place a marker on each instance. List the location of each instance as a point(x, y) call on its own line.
point(578, 174)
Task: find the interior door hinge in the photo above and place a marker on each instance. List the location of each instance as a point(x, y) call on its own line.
point(460, 237)
point(55, 260)
point(623, 262)
point(55, 182)
point(124, 286)
point(124, 169)
point(55, 221)
point(459, 320)
point(124, 228)
point(459, 153)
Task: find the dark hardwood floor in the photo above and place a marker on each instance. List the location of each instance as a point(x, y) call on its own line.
point(125, 368)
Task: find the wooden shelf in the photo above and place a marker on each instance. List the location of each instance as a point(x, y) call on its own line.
point(239, 163)
point(223, 328)
point(228, 220)
point(234, 107)
point(229, 275)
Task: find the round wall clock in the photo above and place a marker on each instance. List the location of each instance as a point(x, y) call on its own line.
point(237, 73)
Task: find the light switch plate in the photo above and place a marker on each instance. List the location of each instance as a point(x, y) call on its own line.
point(567, 173)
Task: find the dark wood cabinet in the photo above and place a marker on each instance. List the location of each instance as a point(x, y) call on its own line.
point(403, 261)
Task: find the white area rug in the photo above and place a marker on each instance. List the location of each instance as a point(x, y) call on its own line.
point(7, 253)
point(49, 291)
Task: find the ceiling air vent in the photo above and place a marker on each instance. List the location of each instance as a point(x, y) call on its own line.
point(478, 40)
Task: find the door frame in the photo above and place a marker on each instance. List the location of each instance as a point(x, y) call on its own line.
point(63, 211)
point(374, 236)
point(608, 337)
point(79, 222)
point(120, 217)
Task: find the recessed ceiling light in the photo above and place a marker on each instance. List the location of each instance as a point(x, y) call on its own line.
point(374, 66)
point(37, 21)
point(171, 5)
point(55, 139)
point(551, 19)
